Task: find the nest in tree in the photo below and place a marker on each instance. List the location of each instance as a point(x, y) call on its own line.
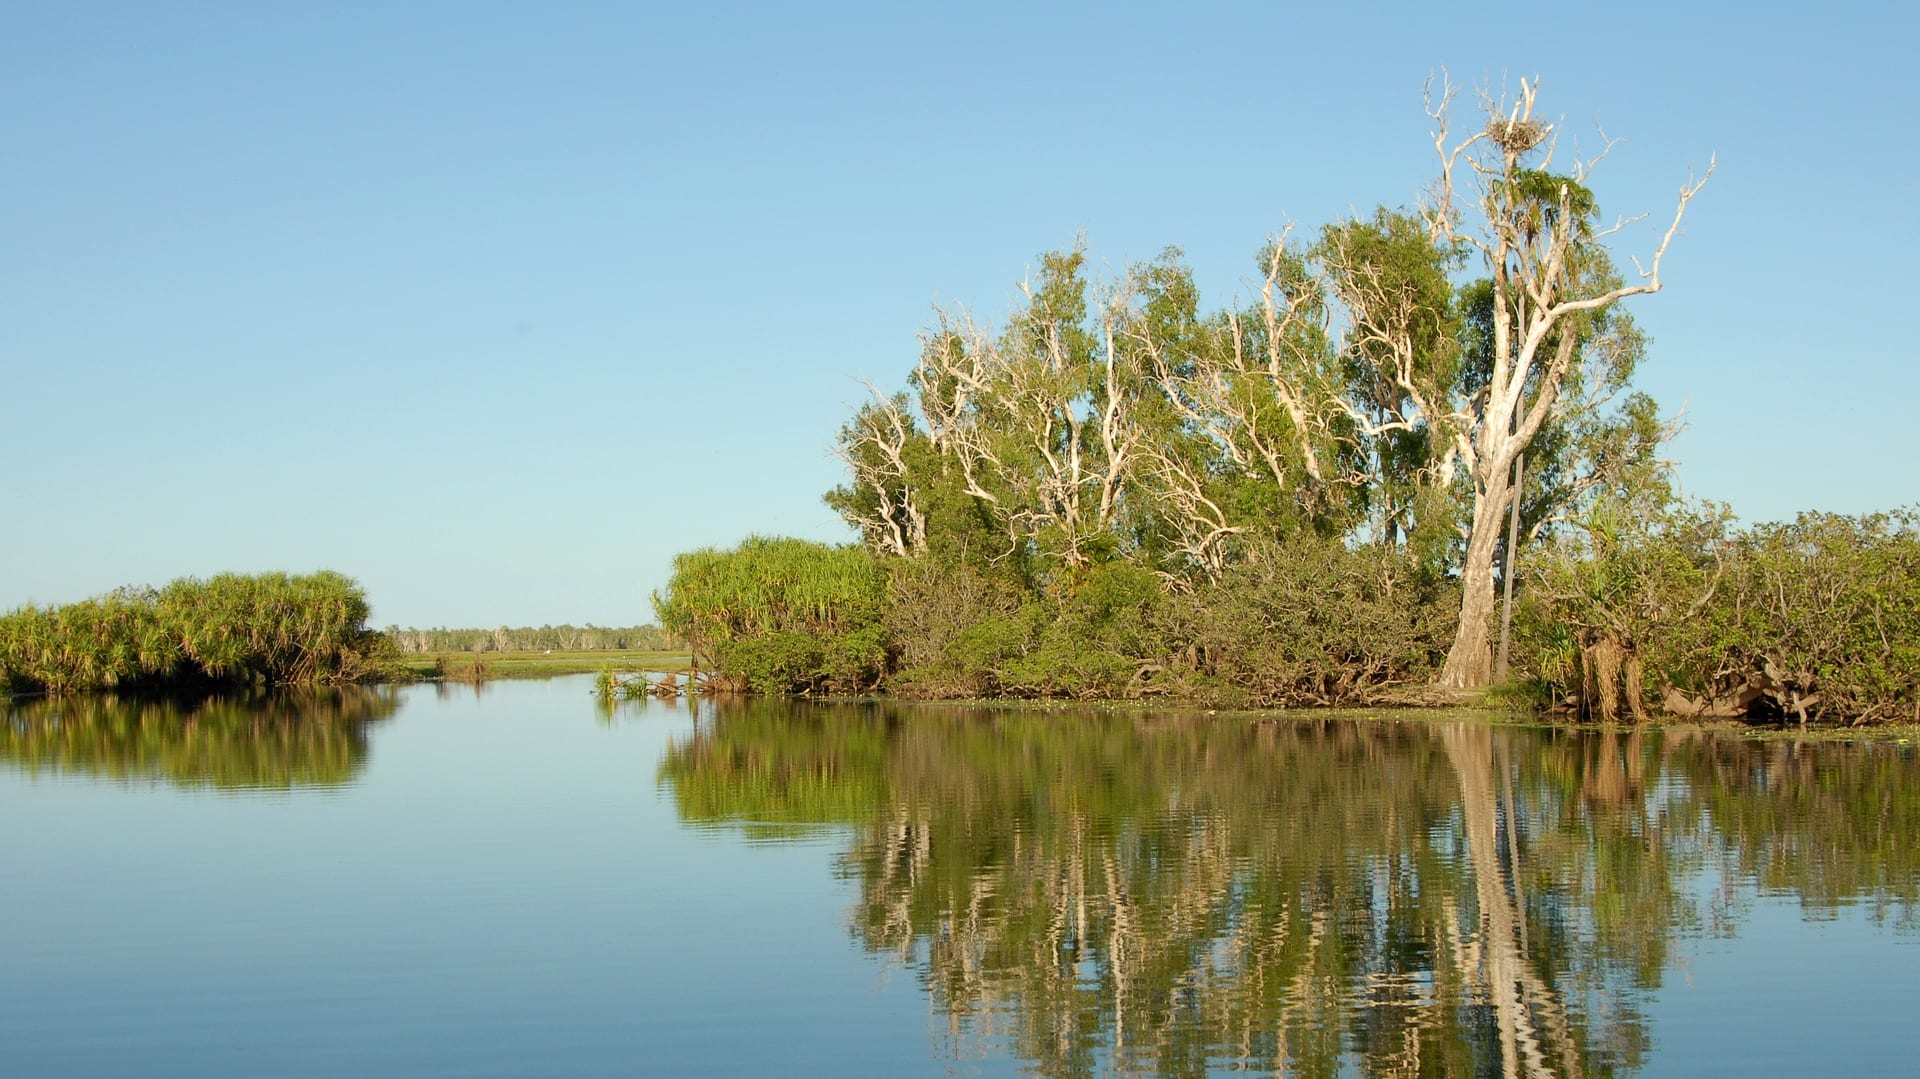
point(1516, 136)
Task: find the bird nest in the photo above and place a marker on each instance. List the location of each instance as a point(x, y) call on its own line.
point(1516, 136)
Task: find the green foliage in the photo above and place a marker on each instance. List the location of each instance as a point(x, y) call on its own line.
point(1830, 606)
point(781, 616)
point(1120, 424)
point(1122, 492)
point(1398, 359)
point(1109, 420)
point(955, 625)
point(1303, 622)
point(1096, 639)
point(1636, 577)
point(1538, 200)
point(264, 630)
point(967, 632)
point(1822, 613)
point(1313, 622)
point(1367, 390)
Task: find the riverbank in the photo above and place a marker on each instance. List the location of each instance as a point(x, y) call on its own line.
point(1440, 705)
point(463, 666)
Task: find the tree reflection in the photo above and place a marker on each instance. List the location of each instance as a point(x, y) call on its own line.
point(279, 741)
point(1153, 894)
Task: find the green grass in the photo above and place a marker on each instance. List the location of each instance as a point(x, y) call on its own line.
point(545, 664)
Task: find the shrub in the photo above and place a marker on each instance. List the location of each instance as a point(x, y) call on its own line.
point(1311, 622)
point(1618, 607)
point(954, 626)
point(961, 630)
point(267, 630)
point(1817, 618)
point(780, 616)
point(1829, 607)
point(1097, 639)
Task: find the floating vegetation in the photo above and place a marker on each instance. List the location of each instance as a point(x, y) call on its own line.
point(613, 685)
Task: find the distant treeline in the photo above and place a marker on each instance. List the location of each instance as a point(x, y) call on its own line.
point(267, 629)
point(566, 638)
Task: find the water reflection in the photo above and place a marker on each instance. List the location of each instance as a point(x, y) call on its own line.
point(280, 741)
point(1151, 894)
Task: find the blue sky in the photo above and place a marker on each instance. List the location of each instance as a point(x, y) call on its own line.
point(495, 307)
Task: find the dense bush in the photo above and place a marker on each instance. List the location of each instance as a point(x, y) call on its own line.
point(1616, 598)
point(954, 627)
point(1817, 618)
point(1098, 638)
point(1642, 607)
point(966, 632)
point(1312, 622)
point(780, 615)
point(1309, 622)
point(268, 629)
point(1829, 606)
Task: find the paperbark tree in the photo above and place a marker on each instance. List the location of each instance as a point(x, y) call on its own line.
point(1038, 426)
point(1401, 342)
point(883, 501)
point(1247, 444)
point(1533, 230)
point(1068, 401)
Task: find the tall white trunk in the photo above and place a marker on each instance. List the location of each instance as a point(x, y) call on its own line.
point(1470, 661)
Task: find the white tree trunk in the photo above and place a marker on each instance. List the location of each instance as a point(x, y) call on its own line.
point(1536, 292)
point(1470, 661)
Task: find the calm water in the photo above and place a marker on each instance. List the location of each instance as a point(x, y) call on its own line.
point(515, 881)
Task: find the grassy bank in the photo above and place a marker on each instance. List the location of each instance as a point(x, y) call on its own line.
point(460, 666)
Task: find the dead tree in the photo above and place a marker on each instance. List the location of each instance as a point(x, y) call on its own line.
point(1531, 244)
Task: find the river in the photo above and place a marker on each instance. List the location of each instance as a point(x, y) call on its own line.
point(518, 879)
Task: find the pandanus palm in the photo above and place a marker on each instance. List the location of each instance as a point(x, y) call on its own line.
point(269, 629)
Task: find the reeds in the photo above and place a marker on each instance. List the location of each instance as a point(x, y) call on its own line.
point(474, 672)
point(611, 685)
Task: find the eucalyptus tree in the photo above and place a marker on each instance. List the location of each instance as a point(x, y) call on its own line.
point(886, 457)
point(1068, 396)
point(1537, 242)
